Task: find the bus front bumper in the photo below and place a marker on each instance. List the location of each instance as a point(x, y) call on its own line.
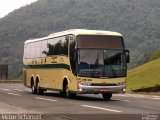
point(82, 89)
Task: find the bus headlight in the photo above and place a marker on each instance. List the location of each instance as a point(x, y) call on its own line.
point(81, 85)
point(84, 83)
point(124, 90)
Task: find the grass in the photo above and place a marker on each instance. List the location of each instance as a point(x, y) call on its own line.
point(144, 76)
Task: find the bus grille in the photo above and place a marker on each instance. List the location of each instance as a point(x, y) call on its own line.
point(102, 84)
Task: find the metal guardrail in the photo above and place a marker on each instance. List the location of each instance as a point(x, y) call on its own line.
point(11, 81)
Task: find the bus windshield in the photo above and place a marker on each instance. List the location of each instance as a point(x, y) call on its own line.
point(101, 63)
point(101, 56)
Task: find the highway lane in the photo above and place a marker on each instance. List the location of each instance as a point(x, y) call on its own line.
point(52, 103)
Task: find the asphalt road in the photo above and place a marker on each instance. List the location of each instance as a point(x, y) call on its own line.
point(17, 99)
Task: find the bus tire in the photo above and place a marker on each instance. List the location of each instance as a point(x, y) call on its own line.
point(67, 93)
point(72, 95)
point(107, 96)
point(39, 90)
point(33, 88)
point(65, 90)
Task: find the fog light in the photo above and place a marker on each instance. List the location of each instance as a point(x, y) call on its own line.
point(80, 89)
point(84, 83)
point(124, 90)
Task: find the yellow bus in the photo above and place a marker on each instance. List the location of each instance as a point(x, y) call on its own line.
point(76, 61)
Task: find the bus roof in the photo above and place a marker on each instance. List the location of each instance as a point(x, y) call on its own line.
point(75, 32)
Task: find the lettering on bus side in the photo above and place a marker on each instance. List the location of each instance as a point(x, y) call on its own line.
point(86, 79)
point(32, 61)
point(41, 61)
point(61, 60)
point(54, 59)
point(36, 61)
point(78, 79)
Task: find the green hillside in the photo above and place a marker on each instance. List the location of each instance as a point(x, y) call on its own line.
point(144, 76)
point(137, 20)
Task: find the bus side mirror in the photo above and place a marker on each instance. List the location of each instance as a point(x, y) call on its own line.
point(75, 56)
point(127, 56)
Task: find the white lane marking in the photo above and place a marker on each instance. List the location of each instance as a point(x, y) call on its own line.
point(126, 100)
point(27, 89)
point(5, 89)
point(18, 90)
point(106, 109)
point(140, 96)
point(119, 95)
point(45, 99)
point(14, 94)
point(146, 107)
point(122, 100)
point(156, 98)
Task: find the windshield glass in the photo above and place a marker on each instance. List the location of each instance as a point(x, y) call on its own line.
point(101, 63)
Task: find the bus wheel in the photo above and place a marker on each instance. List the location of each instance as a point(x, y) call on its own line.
point(65, 90)
point(107, 96)
point(33, 88)
point(39, 90)
point(67, 93)
point(72, 95)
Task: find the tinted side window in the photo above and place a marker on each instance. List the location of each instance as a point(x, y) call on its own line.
point(73, 54)
point(32, 50)
point(38, 49)
point(58, 46)
point(25, 51)
point(64, 45)
point(54, 46)
point(72, 45)
point(44, 48)
point(50, 46)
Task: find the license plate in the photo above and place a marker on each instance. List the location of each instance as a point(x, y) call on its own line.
point(103, 90)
